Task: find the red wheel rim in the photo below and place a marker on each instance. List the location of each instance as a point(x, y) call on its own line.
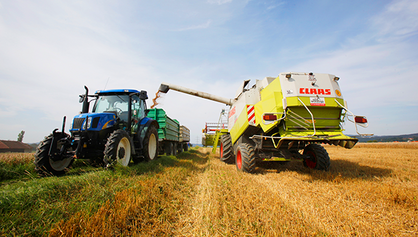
point(222, 150)
point(311, 162)
point(239, 159)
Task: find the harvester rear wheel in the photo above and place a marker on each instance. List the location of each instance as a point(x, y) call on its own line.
point(151, 144)
point(225, 150)
point(245, 158)
point(44, 165)
point(117, 149)
point(318, 157)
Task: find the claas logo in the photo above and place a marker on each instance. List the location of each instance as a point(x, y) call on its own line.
point(314, 91)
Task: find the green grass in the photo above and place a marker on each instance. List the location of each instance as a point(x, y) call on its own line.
point(30, 206)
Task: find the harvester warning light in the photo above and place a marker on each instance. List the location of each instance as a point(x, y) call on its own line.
point(360, 119)
point(338, 92)
point(270, 117)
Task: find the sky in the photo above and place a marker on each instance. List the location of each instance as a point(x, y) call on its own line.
point(50, 49)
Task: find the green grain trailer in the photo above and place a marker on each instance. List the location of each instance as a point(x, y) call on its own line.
point(172, 137)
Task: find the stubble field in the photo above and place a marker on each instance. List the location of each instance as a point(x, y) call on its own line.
point(370, 190)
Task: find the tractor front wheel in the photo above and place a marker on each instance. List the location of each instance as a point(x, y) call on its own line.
point(245, 158)
point(151, 144)
point(118, 149)
point(45, 165)
point(316, 157)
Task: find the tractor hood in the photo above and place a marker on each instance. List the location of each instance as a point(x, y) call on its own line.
point(95, 121)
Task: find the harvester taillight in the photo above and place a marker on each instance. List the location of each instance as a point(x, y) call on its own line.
point(360, 119)
point(270, 117)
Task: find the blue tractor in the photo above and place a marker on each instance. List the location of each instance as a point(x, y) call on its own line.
point(116, 131)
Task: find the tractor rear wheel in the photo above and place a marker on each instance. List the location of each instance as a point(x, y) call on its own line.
point(118, 149)
point(245, 158)
point(151, 144)
point(318, 157)
point(45, 165)
point(225, 150)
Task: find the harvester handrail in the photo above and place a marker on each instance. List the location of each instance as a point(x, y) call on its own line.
point(354, 121)
point(313, 119)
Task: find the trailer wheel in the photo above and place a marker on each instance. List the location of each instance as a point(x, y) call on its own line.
point(168, 148)
point(151, 144)
point(245, 158)
point(117, 149)
point(185, 147)
point(318, 157)
point(174, 148)
point(44, 165)
point(225, 150)
point(179, 148)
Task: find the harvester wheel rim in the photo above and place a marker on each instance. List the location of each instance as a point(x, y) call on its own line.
point(221, 150)
point(124, 151)
point(312, 161)
point(239, 159)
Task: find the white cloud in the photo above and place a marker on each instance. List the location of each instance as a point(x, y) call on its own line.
point(273, 6)
point(400, 19)
point(196, 27)
point(219, 2)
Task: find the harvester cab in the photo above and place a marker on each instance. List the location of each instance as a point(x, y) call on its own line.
point(283, 118)
point(115, 131)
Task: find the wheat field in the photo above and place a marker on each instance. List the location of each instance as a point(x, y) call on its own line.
point(370, 190)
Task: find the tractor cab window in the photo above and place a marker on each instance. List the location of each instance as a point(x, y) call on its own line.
point(117, 104)
point(138, 110)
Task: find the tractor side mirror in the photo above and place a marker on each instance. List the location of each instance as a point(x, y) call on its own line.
point(82, 98)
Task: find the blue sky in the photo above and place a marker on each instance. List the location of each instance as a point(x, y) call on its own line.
point(50, 49)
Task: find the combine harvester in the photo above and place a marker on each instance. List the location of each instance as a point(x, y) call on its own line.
point(278, 117)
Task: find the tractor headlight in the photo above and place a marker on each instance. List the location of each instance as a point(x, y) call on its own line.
point(89, 119)
point(88, 124)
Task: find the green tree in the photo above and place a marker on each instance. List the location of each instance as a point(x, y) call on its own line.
point(20, 136)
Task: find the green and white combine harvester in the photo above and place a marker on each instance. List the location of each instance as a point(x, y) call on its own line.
point(283, 118)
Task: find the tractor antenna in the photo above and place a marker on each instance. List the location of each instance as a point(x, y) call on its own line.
point(106, 83)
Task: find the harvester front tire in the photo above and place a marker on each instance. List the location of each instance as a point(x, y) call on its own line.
point(44, 165)
point(225, 151)
point(118, 149)
point(319, 158)
point(245, 158)
point(151, 144)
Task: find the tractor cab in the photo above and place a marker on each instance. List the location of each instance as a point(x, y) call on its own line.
point(128, 105)
point(122, 108)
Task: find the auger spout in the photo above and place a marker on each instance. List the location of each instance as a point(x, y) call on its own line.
point(165, 87)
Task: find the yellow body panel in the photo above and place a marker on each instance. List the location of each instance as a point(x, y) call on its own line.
point(240, 125)
point(271, 102)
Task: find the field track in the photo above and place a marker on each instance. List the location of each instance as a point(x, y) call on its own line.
point(370, 190)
